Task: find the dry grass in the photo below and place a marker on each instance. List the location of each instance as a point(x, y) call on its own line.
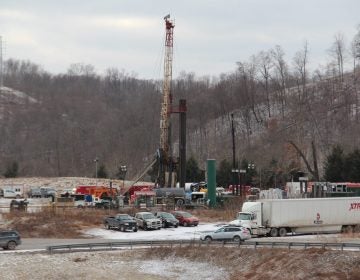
point(56, 223)
point(244, 263)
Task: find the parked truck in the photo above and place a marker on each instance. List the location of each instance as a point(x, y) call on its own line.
point(121, 222)
point(278, 217)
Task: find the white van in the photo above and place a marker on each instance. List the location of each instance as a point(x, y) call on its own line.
point(13, 191)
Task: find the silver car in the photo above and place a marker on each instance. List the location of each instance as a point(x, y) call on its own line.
point(234, 233)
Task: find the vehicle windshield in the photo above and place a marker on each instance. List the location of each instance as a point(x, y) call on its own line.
point(167, 215)
point(124, 217)
point(244, 216)
point(149, 216)
point(186, 215)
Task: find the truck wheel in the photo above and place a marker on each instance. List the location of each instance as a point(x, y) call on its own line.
point(347, 229)
point(11, 245)
point(282, 232)
point(274, 232)
point(180, 202)
point(145, 227)
point(164, 224)
point(135, 229)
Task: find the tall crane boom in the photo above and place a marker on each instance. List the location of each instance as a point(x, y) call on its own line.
point(165, 157)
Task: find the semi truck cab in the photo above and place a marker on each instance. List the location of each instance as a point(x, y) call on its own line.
point(251, 218)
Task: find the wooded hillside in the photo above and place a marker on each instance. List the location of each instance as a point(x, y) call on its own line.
point(56, 125)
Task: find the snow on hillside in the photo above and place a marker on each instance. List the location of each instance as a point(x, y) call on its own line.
point(12, 93)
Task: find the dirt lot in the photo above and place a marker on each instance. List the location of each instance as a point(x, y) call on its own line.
point(184, 263)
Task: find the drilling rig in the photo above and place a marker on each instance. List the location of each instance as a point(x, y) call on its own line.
point(166, 162)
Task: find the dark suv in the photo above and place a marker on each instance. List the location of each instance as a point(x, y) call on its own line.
point(9, 239)
point(167, 219)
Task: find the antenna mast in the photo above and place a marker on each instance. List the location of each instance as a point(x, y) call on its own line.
point(165, 157)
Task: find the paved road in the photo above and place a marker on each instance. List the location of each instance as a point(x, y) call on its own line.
point(42, 243)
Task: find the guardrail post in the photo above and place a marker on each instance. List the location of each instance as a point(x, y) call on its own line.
point(289, 245)
point(255, 245)
point(342, 246)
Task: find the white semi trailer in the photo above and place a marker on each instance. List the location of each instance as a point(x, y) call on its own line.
point(277, 217)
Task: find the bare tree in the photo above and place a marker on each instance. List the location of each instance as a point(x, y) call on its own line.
point(338, 52)
point(301, 73)
point(264, 61)
point(281, 74)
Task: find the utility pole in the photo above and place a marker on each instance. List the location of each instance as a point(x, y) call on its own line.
point(234, 170)
point(96, 160)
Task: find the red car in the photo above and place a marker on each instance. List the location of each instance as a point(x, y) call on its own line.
point(186, 219)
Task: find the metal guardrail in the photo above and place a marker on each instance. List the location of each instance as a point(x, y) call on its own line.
point(196, 243)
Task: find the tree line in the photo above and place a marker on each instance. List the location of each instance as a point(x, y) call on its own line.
point(287, 118)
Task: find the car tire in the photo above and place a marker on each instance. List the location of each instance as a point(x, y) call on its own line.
point(135, 229)
point(208, 239)
point(107, 226)
point(164, 224)
point(186, 224)
point(11, 245)
point(237, 239)
point(145, 227)
point(176, 226)
point(122, 228)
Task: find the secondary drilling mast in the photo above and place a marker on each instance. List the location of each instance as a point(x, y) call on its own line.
point(165, 157)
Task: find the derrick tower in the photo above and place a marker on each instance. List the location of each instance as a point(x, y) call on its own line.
point(166, 162)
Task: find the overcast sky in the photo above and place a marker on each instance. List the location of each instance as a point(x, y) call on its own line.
point(210, 36)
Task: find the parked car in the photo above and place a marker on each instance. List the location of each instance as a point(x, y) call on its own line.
point(185, 218)
point(234, 233)
point(167, 219)
point(147, 220)
point(9, 239)
point(122, 222)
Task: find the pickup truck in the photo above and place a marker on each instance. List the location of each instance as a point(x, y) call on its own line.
point(147, 220)
point(121, 222)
